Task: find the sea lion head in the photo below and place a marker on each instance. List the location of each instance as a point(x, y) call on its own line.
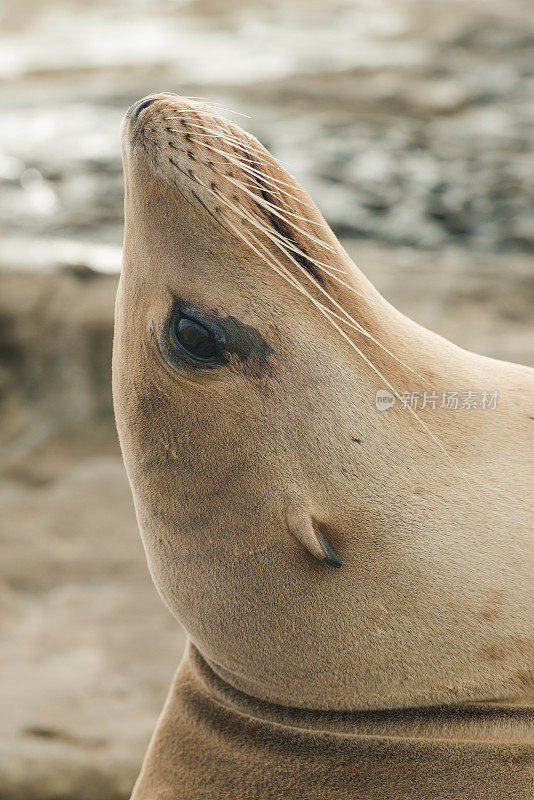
point(282, 515)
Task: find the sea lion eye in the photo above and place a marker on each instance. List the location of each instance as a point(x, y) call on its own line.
point(194, 338)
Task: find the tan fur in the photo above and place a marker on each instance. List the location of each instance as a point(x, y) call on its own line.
point(240, 473)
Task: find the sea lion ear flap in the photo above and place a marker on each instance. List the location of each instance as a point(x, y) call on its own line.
point(303, 528)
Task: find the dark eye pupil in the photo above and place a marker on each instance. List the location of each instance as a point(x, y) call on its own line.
point(194, 338)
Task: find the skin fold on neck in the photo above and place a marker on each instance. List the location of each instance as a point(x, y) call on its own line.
point(210, 735)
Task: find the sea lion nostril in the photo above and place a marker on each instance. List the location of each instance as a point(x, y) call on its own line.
point(136, 110)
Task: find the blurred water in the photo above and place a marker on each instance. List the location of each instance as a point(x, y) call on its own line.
point(409, 121)
point(230, 42)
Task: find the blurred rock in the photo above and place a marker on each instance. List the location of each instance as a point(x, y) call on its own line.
point(436, 97)
point(87, 647)
point(424, 124)
point(55, 338)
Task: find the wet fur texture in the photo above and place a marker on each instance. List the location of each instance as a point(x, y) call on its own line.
point(241, 471)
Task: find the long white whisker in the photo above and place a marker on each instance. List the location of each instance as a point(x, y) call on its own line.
point(362, 330)
point(217, 105)
point(275, 184)
point(195, 115)
point(234, 155)
point(280, 268)
point(272, 208)
point(350, 319)
point(282, 245)
point(222, 136)
point(260, 226)
point(231, 139)
point(320, 264)
point(247, 145)
point(259, 187)
point(267, 183)
point(327, 313)
point(270, 181)
point(362, 355)
point(348, 286)
point(414, 414)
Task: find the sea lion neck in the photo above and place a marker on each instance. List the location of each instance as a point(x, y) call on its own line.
point(209, 734)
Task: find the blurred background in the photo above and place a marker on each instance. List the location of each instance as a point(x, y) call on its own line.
point(411, 124)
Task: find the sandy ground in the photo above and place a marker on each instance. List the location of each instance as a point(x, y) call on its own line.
point(87, 649)
point(412, 129)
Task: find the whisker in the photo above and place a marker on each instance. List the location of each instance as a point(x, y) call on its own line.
point(240, 158)
point(295, 249)
point(231, 139)
point(281, 246)
point(273, 209)
point(279, 268)
point(195, 115)
point(267, 182)
point(327, 314)
point(397, 395)
point(253, 186)
point(217, 105)
point(270, 178)
point(247, 145)
point(234, 155)
point(321, 265)
point(362, 330)
point(222, 135)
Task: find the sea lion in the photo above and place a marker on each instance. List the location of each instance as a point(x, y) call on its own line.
point(357, 583)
